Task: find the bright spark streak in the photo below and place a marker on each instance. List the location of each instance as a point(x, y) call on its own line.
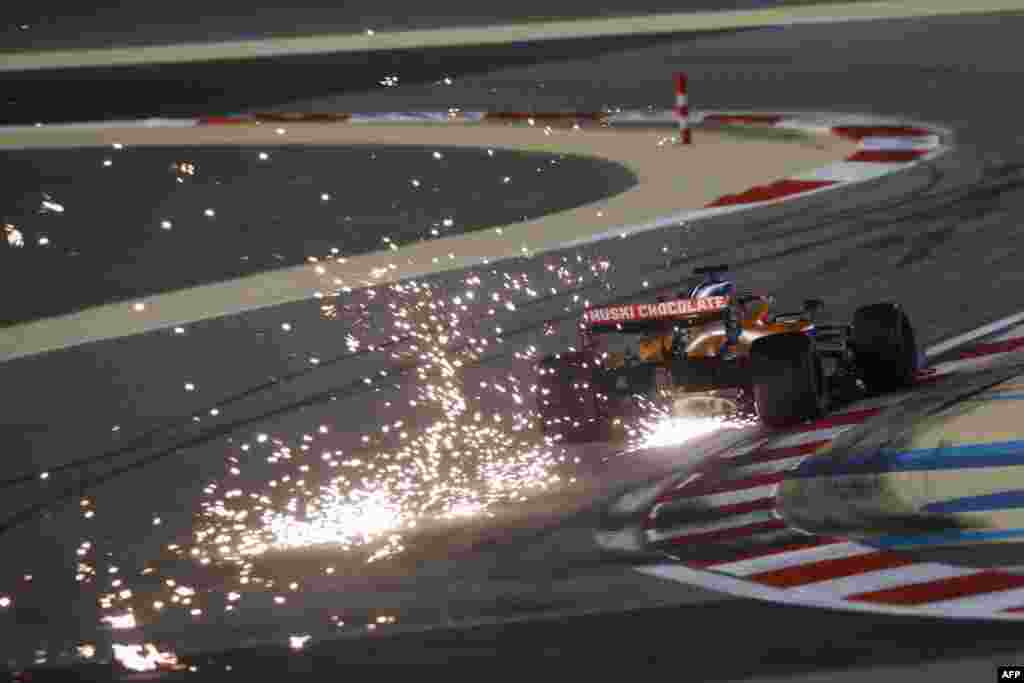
point(298, 642)
point(143, 657)
point(121, 621)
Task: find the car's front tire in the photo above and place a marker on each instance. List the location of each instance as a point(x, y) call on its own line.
point(789, 383)
point(884, 347)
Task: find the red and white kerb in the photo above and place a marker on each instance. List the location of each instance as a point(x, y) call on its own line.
point(682, 110)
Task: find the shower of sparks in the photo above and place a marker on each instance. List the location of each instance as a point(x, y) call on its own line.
point(471, 447)
point(658, 427)
point(468, 442)
point(673, 431)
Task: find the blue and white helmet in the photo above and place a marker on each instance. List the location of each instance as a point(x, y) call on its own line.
point(713, 288)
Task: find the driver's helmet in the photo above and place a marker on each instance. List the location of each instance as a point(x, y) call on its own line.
point(713, 288)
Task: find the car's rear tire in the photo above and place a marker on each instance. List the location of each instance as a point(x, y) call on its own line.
point(884, 347)
point(789, 384)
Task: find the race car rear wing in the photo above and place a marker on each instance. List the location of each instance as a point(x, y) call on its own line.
point(653, 316)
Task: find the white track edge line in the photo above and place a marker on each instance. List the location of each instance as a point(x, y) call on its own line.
point(749, 589)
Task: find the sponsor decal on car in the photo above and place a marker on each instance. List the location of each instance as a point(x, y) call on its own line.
point(664, 309)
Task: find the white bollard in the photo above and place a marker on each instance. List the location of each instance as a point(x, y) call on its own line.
point(682, 110)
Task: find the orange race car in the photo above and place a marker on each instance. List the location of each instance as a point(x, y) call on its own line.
point(713, 351)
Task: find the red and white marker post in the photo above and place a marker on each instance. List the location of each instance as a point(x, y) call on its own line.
point(682, 110)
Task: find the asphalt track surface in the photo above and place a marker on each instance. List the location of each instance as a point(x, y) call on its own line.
point(943, 239)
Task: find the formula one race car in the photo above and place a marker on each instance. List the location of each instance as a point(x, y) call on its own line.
point(716, 351)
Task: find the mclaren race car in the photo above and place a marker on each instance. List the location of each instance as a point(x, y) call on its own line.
point(716, 351)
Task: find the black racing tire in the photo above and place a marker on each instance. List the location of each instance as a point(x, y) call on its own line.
point(789, 384)
point(884, 347)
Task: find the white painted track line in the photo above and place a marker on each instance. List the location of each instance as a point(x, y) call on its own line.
point(795, 558)
point(498, 34)
point(967, 337)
